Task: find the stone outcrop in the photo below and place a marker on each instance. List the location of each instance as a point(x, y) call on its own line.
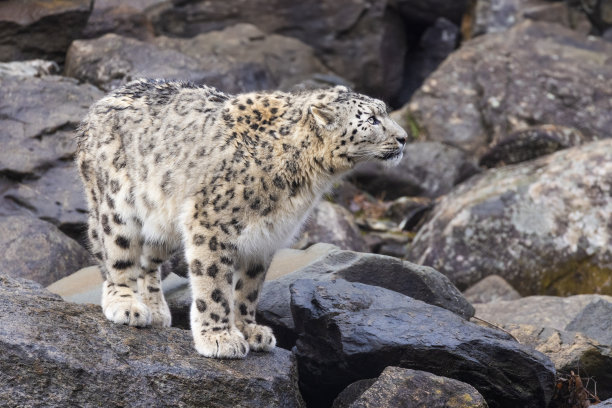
point(350, 331)
point(238, 59)
point(532, 74)
point(544, 226)
point(74, 356)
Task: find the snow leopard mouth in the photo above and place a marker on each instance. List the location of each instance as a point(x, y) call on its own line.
point(390, 155)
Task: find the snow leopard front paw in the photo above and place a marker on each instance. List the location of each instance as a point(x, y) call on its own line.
point(225, 343)
point(121, 305)
point(260, 337)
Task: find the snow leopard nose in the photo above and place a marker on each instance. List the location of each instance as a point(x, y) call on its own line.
point(401, 140)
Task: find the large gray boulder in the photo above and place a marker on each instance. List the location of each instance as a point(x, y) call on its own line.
point(350, 331)
point(532, 74)
point(542, 225)
point(54, 353)
point(341, 31)
point(37, 250)
point(40, 28)
point(37, 121)
point(237, 59)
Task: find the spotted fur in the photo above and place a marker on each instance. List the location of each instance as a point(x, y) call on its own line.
point(229, 178)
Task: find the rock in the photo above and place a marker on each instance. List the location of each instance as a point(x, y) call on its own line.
point(544, 225)
point(331, 224)
point(57, 197)
point(599, 12)
point(128, 19)
point(571, 351)
point(427, 12)
point(427, 169)
point(594, 321)
point(34, 249)
point(350, 331)
point(540, 311)
point(531, 143)
point(436, 43)
point(37, 127)
point(40, 29)
point(238, 59)
point(400, 387)
point(493, 288)
point(533, 74)
point(352, 392)
point(388, 243)
point(61, 354)
point(332, 263)
point(112, 60)
point(491, 16)
point(341, 32)
point(31, 68)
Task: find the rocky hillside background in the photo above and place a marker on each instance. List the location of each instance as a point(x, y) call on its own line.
point(504, 196)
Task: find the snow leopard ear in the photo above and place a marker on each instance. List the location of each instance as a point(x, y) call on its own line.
point(323, 115)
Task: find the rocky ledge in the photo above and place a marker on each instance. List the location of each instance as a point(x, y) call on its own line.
point(56, 353)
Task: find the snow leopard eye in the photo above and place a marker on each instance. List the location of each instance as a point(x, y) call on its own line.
point(373, 121)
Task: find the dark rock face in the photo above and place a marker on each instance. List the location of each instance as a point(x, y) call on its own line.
point(37, 126)
point(352, 392)
point(40, 29)
point(74, 356)
point(238, 59)
point(533, 74)
point(363, 29)
point(34, 249)
point(427, 12)
point(594, 321)
point(544, 226)
point(428, 169)
point(412, 280)
point(350, 331)
point(435, 44)
point(400, 387)
point(332, 224)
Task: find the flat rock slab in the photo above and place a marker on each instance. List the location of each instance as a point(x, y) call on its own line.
point(55, 353)
point(350, 331)
point(400, 387)
point(37, 250)
point(416, 281)
point(540, 311)
point(543, 226)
